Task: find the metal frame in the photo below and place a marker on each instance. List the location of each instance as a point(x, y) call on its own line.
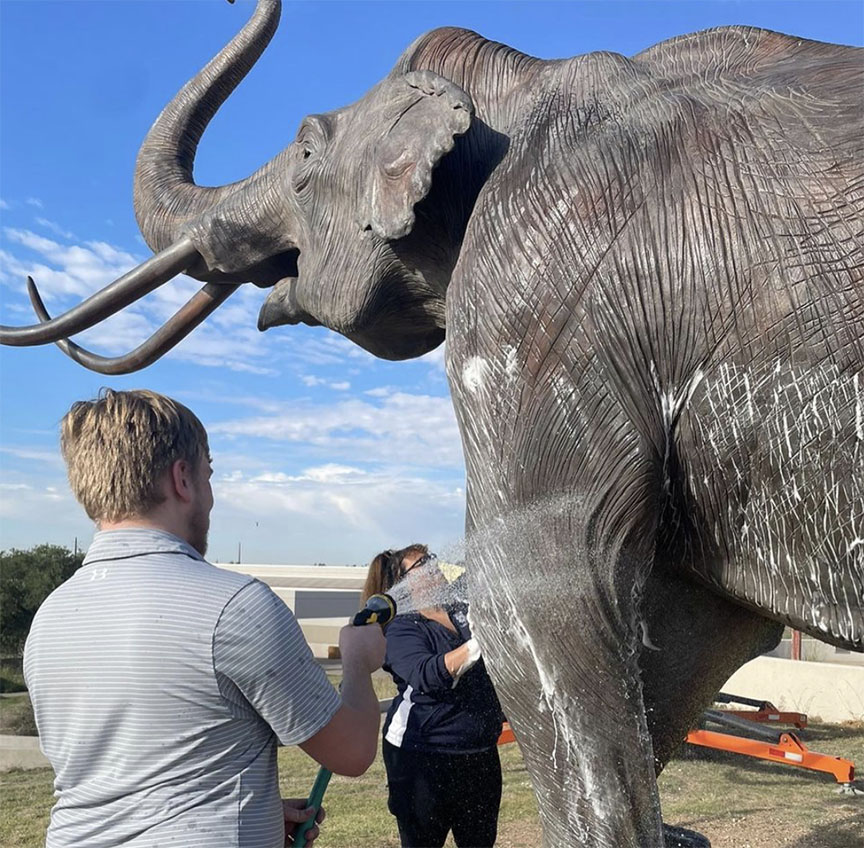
point(785, 748)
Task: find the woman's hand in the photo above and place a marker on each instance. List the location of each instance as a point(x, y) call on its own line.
point(296, 812)
point(461, 659)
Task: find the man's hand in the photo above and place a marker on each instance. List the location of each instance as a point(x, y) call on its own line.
point(362, 648)
point(296, 812)
point(347, 744)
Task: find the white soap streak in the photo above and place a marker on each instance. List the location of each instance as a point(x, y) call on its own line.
point(510, 362)
point(859, 409)
point(789, 436)
point(675, 399)
point(474, 374)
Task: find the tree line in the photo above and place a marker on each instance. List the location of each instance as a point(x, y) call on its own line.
point(26, 579)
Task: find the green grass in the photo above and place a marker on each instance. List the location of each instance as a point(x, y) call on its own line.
point(357, 807)
point(737, 802)
point(382, 683)
point(27, 797)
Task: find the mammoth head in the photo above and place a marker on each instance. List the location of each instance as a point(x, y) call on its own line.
point(371, 238)
point(342, 225)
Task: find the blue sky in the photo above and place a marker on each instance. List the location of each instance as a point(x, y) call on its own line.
point(321, 452)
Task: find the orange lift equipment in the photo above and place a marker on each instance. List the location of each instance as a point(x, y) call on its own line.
point(775, 745)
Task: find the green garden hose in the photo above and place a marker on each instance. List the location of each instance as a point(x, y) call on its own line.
point(316, 796)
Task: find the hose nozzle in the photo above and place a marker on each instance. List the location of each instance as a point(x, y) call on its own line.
point(379, 609)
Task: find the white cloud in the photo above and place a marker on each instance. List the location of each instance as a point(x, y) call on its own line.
point(229, 340)
point(322, 347)
point(336, 385)
point(330, 512)
point(416, 430)
point(296, 480)
point(24, 505)
point(262, 403)
point(32, 455)
point(54, 228)
point(436, 357)
point(82, 270)
point(68, 272)
point(4, 204)
point(34, 201)
point(333, 513)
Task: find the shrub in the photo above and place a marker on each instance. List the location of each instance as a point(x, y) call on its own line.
point(16, 716)
point(12, 675)
point(26, 579)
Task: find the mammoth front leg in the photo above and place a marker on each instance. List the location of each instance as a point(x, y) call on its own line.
point(562, 650)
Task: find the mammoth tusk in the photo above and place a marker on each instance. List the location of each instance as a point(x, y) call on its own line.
point(130, 287)
point(186, 319)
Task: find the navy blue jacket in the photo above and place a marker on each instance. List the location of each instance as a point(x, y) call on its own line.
point(429, 713)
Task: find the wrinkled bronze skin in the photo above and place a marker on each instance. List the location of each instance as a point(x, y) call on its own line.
point(649, 272)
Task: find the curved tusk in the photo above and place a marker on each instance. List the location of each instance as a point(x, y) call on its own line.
point(130, 287)
point(186, 319)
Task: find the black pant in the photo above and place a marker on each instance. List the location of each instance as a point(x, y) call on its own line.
point(431, 794)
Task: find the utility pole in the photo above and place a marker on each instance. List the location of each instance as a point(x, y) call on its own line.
point(238, 553)
point(795, 653)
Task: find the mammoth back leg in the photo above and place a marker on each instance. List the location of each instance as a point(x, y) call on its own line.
point(766, 492)
point(694, 640)
point(772, 481)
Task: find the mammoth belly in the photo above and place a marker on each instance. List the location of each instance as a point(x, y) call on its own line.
point(771, 477)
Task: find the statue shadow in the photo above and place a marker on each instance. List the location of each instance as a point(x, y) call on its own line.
point(834, 835)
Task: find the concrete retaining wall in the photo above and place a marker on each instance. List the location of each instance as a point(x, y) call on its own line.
point(21, 752)
point(832, 692)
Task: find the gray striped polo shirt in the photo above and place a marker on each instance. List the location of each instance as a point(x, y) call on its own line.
point(162, 686)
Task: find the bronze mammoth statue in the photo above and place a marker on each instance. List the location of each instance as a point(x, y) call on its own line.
point(651, 278)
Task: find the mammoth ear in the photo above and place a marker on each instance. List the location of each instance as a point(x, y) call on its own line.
point(432, 112)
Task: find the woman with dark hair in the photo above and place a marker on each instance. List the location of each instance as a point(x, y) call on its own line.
point(441, 731)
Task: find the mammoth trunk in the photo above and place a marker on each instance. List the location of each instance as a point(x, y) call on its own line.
point(165, 193)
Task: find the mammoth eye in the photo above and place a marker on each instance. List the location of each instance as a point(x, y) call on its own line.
point(313, 135)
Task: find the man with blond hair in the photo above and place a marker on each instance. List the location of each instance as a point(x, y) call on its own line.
point(161, 684)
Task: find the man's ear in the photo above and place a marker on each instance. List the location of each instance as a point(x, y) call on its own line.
point(180, 479)
point(434, 111)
